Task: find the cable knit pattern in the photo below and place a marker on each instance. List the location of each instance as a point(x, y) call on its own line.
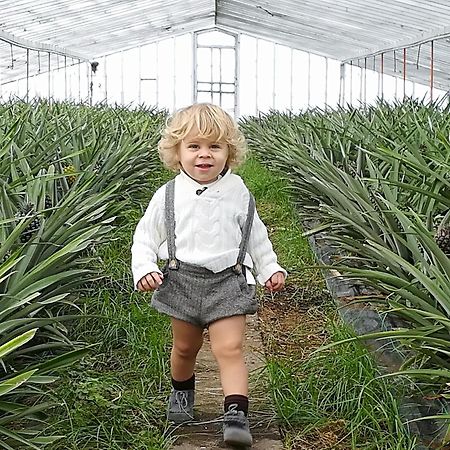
point(207, 228)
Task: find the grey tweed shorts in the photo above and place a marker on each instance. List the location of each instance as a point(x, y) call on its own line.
point(199, 296)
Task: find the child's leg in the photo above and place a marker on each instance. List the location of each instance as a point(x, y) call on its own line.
point(227, 337)
point(187, 341)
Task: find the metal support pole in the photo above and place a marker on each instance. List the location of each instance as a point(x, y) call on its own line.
point(122, 94)
point(211, 71)
point(309, 79)
point(326, 83)
point(194, 66)
point(432, 70)
point(49, 79)
point(105, 81)
point(174, 80)
point(256, 77)
point(158, 74)
point(89, 86)
point(342, 85)
point(274, 74)
point(365, 81)
point(237, 90)
point(65, 77)
point(382, 76)
point(79, 81)
point(361, 83)
point(351, 82)
point(292, 77)
point(404, 73)
point(28, 74)
point(140, 75)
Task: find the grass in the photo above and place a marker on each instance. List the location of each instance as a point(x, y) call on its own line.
point(115, 398)
point(334, 398)
point(342, 386)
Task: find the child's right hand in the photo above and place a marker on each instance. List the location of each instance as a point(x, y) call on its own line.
point(150, 282)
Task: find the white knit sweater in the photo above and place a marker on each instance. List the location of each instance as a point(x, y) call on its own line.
point(208, 230)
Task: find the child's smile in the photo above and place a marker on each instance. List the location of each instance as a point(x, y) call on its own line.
point(201, 158)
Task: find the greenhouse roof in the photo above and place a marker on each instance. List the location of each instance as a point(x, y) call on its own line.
point(346, 30)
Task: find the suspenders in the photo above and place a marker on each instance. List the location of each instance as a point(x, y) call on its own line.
point(173, 263)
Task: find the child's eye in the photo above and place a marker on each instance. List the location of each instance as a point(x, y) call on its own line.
point(193, 146)
point(216, 146)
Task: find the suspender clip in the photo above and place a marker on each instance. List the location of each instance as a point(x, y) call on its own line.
point(237, 269)
point(174, 264)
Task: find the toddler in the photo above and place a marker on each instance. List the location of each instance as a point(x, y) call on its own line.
point(203, 223)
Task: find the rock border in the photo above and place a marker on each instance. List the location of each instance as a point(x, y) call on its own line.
point(388, 354)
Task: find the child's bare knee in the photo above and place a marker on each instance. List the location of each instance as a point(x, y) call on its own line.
point(185, 349)
point(227, 350)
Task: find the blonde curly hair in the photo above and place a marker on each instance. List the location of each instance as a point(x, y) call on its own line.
point(210, 122)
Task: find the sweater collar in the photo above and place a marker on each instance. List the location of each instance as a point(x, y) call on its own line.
point(194, 184)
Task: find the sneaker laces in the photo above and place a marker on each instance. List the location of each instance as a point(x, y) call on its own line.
point(181, 397)
point(235, 415)
point(233, 408)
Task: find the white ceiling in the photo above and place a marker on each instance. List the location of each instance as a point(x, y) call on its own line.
point(337, 29)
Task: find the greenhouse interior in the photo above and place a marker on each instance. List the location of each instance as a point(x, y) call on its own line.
point(344, 107)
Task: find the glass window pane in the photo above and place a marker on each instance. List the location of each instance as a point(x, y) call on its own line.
point(166, 70)
point(204, 64)
point(148, 92)
point(247, 76)
point(183, 78)
point(283, 72)
point(228, 65)
point(300, 68)
point(148, 61)
point(265, 66)
point(215, 38)
point(204, 86)
point(227, 87)
point(216, 61)
point(334, 69)
point(228, 103)
point(114, 78)
point(130, 76)
point(203, 97)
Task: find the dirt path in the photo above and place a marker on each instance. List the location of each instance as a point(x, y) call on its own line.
point(207, 434)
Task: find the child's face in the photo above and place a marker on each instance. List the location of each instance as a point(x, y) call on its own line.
point(202, 159)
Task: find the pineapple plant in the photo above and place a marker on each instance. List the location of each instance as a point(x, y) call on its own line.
point(26, 210)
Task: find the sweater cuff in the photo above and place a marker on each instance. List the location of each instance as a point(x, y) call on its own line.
point(268, 272)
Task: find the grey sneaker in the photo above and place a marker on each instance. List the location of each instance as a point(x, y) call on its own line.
point(181, 406)
point(236, 430)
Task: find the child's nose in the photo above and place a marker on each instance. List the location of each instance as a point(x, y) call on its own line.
point(205, 152)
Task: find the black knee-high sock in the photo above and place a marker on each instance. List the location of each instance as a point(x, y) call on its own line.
point(185, 385)
point(240, 400)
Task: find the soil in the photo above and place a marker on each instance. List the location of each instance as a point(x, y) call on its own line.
point(206, 434)
point(287, 323)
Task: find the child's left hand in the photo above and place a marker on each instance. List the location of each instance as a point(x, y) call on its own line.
point(276, 282)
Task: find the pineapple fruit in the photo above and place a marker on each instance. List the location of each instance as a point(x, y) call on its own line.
point(26, 210)
point(443, 239)
point(70, 171)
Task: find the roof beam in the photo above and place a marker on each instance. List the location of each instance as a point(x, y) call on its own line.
point(406, 43)
point(37, 46)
